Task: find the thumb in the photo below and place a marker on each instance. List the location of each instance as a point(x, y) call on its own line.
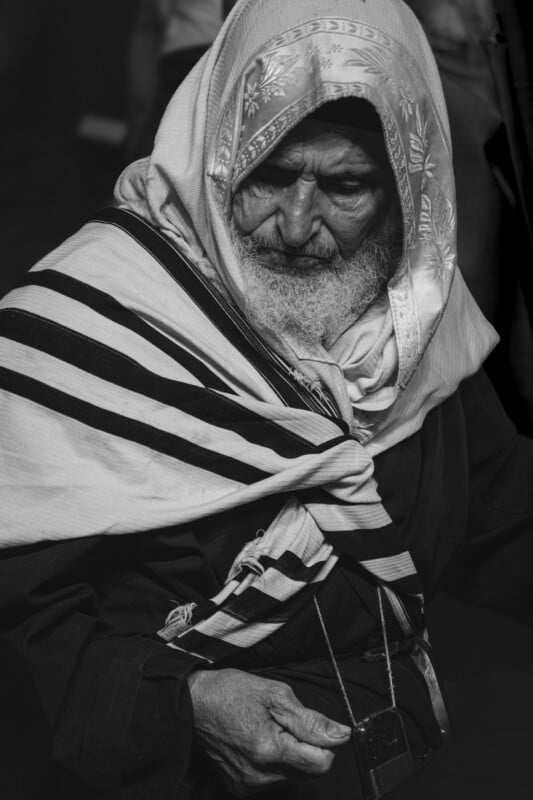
point(306, 724)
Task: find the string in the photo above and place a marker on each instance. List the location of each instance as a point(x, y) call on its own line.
point(336, 666)
point(387, 653)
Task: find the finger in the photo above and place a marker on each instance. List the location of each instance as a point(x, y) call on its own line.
point(300, 757)
point(304, 723)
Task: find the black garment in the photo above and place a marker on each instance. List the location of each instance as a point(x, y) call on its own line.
point(110, 702)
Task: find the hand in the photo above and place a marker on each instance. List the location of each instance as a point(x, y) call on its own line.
point(257, 732)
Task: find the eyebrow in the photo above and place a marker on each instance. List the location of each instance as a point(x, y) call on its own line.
point(343, 174)
point(350, 175)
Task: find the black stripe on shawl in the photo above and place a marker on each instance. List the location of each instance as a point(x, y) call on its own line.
point(291, 566)
point(109, 307)
point(363, 544)
point(238, 333)
point(320, 448)
point(216, 649)
point(358, 545)
point(108, 364)
point(253, 604)
point(383, 542)
point(129, 429)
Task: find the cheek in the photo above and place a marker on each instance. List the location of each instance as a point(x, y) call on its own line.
point(251, 210)
point(350, 225)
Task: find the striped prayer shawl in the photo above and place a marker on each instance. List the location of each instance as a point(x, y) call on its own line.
point(135, 398)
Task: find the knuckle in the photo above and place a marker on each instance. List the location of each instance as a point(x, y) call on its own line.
point(282, 693)
point(314, 722)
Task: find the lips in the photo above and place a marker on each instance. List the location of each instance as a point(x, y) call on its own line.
point(281, 259)
point(305, 262)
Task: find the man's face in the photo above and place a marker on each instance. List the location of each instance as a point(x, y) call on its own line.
point(315, 227)
point(318, 194)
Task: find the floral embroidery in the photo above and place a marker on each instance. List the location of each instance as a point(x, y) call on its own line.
point(312, 54)
point(407, 100)
point(374, 61)
point(437, 220)
point(220, 169)
point(251, 99)
point(419, 159)
point(315, 55)
point(276, 75)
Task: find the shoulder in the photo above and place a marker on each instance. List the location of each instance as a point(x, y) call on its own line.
point(99, 255)
point(97, 277)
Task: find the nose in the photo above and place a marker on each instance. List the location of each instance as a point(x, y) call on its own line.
point(298, 218)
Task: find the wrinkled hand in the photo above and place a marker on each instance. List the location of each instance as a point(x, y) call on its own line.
point(257, 732)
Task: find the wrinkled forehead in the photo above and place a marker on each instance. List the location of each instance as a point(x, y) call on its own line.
point(340, 136)
point(352, 119)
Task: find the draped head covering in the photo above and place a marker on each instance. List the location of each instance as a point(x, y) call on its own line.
point(273, 64)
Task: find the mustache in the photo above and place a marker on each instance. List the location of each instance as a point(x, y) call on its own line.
point(257, 244)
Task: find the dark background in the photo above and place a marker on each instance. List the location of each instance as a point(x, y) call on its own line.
point(61, 63)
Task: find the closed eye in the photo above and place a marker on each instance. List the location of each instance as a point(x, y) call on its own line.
point(342, 187)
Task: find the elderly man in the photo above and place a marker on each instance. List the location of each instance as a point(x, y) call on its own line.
point(245, 431)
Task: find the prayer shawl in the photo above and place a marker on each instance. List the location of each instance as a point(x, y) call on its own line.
point(136, 396)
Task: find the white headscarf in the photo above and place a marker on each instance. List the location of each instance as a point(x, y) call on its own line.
point(272, 64)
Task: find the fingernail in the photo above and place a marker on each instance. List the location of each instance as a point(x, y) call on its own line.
point(337, 731)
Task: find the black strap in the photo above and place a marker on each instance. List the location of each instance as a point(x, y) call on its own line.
point(227, 319)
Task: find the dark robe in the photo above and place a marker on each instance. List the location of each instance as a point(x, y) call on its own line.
point(96, 706)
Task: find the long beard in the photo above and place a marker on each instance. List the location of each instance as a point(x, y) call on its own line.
point(316, 306)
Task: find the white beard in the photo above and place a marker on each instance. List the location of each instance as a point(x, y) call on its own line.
point(316, 306)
